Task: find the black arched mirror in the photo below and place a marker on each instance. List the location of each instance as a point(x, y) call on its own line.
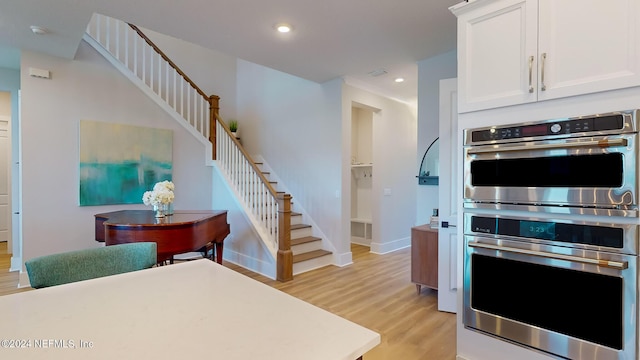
point(429, 168)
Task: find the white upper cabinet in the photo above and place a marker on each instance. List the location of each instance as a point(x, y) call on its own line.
point(590, 46)
point(496, 42)
point(517, 51)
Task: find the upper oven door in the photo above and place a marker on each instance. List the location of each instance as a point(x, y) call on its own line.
point(593, 171)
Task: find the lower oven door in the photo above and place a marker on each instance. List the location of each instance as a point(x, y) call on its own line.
point(573, 303)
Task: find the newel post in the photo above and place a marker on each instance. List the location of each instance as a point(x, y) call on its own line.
point(214, 110)
point(284, 262)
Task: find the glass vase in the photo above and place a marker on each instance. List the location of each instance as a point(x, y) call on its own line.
point(159, 210)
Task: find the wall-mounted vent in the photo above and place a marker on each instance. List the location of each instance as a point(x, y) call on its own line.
point(39, 73)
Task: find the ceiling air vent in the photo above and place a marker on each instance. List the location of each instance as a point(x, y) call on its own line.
point(377, 72)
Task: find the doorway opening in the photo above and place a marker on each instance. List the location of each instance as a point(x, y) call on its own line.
point(5, 173)
point(361, 176)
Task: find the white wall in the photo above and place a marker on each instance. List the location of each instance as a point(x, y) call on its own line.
point(430, 72)
point(213, 71)
point(295, 125)
point(87, 88)
point(394, 149)
point(243, 246)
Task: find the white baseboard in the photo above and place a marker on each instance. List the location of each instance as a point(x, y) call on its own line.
point(23, 280)
point(344, 259)
point(258, 266)
point(360, 241)
point(385, 248)
point(16, 264)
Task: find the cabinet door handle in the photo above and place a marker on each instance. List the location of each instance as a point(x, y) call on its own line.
point(530, 74)
point(543, 87)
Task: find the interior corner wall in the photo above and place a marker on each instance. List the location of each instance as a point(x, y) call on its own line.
point(295, 125)
point(430, 72)
point(393, 194)
point(86, 88)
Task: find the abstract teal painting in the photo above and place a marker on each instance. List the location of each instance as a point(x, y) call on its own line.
point(119, 162)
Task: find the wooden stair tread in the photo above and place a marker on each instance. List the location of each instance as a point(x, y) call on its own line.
point(310, 255)
point(293, 213)
point(304, 240)
point(300, 226)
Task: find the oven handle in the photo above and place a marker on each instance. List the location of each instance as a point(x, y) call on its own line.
point(583, 144)
point(620, 265)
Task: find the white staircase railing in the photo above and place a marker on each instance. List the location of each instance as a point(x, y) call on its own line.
point(135, 55)
point(147, 65)
point(253, 190)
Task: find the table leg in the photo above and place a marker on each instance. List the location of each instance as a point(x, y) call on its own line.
point(219, 252)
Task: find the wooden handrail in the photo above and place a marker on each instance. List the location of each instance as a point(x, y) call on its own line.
point(214, 112)
point(166, 58)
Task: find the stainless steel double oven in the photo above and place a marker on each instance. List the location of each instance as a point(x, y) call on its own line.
point(551, 235)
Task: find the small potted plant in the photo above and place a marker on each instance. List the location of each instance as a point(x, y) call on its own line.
point(233, 127)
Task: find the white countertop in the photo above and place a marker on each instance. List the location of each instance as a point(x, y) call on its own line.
point(192, 310)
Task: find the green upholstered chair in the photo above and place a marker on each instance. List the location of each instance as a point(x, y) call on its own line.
point(62, 268)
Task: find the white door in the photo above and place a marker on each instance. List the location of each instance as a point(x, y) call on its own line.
point(4, 179)
point(448, 195)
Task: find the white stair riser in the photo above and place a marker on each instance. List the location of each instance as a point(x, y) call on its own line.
point(298, 233)
point(304, 266)
point(306, 247)
point(297, 219)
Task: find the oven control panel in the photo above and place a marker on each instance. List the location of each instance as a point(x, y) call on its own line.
point(550, 128)
point(603, 236)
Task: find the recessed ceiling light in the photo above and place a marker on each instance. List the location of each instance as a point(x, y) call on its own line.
point(283, 28)
point(38, 30)
point(399, 80)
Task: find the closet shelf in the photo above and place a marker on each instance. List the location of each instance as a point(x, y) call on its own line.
point(363, 221)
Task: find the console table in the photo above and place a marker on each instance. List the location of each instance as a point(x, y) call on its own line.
point(424, 257)
point(182, 232)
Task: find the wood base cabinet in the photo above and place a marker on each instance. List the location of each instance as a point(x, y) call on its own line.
point(424, 257)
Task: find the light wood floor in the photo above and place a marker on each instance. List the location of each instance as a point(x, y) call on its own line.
point(375, 292)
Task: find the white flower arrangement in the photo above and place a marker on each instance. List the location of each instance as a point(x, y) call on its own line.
point(162, 193)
